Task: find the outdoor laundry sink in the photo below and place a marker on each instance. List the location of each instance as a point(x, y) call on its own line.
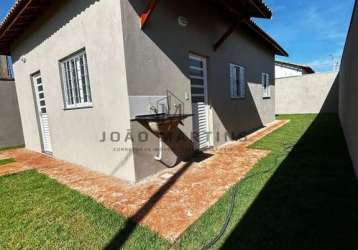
point(161, 124)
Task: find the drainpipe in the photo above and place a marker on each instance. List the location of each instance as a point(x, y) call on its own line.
point(160, 153)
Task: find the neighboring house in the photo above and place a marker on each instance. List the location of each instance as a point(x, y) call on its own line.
point(4, 69)
point(348, 89)
point(10, 121)
point(285, 69)
point(85, 71)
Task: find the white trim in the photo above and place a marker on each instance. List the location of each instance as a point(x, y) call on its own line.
point(197, 77)
point(266, 85)
point(197, 57)
point(81, 105)
point(203, 142)
point(196, 68)
point(197, 86)
point(42, 112)
point(75, 81)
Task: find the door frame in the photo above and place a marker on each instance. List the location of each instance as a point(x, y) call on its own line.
point(33, 77)
point(209, 113)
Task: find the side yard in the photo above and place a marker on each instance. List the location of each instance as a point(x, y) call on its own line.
point(38, 213)
point(6, 161)
point(302, 196)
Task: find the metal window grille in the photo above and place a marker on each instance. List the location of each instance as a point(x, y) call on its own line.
point(75, 80)
point(266, 85)
point(237, 81)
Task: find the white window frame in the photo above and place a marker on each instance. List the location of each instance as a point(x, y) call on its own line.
point(266, 86)
point(75, 81)
point(237, 84)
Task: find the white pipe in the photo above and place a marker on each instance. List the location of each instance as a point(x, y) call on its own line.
point(160, 153)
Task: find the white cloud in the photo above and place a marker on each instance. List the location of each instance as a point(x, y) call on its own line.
point(325, 64)
point(325, 27)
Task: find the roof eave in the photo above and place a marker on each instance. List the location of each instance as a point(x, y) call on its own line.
point(5, 51)
point(276, 47)
point(37, 6)
point(305, 67)
point(309, 70)
point(20, 15)
point(262, 8)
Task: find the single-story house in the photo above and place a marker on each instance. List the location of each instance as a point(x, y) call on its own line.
point(131, 87)
point(286, 69)
point(4, 68)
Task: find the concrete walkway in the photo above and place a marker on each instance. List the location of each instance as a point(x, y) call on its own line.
point(167, 203)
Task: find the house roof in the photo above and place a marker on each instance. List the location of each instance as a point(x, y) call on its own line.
point(268, 39)
point(20, 16)
point(252, 8)
point(308, 69)
point(25, 12)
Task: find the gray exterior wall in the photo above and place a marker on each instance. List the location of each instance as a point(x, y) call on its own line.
point(123, 60)
point(308, 94)
point(348, 95)
point(10, 121)
point(68, 27)
point(157, 62)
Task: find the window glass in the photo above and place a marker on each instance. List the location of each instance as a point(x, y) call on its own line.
point(266, 85)
point(196, 99)
point(197, 90)
point(197, 82)
point(196, 63)
point(76, 84)
point(237, 81)
point(196, 72)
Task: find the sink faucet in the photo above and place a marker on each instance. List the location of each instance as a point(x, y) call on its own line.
point(154, 109)
point(178, 109)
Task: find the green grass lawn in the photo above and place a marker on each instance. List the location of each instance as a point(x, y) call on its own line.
point(302, 196)
point(6, 161)
point(14, 147)
point(38, 213)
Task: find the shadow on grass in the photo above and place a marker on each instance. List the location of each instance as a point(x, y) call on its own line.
point(123, 235)
point(311, 202)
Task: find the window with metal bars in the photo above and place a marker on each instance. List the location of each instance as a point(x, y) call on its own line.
point(237, 81)
point(265, 81)
point(75, 80)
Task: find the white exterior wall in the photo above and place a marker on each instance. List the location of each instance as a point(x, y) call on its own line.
point(68, 27)
point(282, 71)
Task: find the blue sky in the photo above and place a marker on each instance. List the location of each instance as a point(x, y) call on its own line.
point(309, 30)
point(4, 7)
